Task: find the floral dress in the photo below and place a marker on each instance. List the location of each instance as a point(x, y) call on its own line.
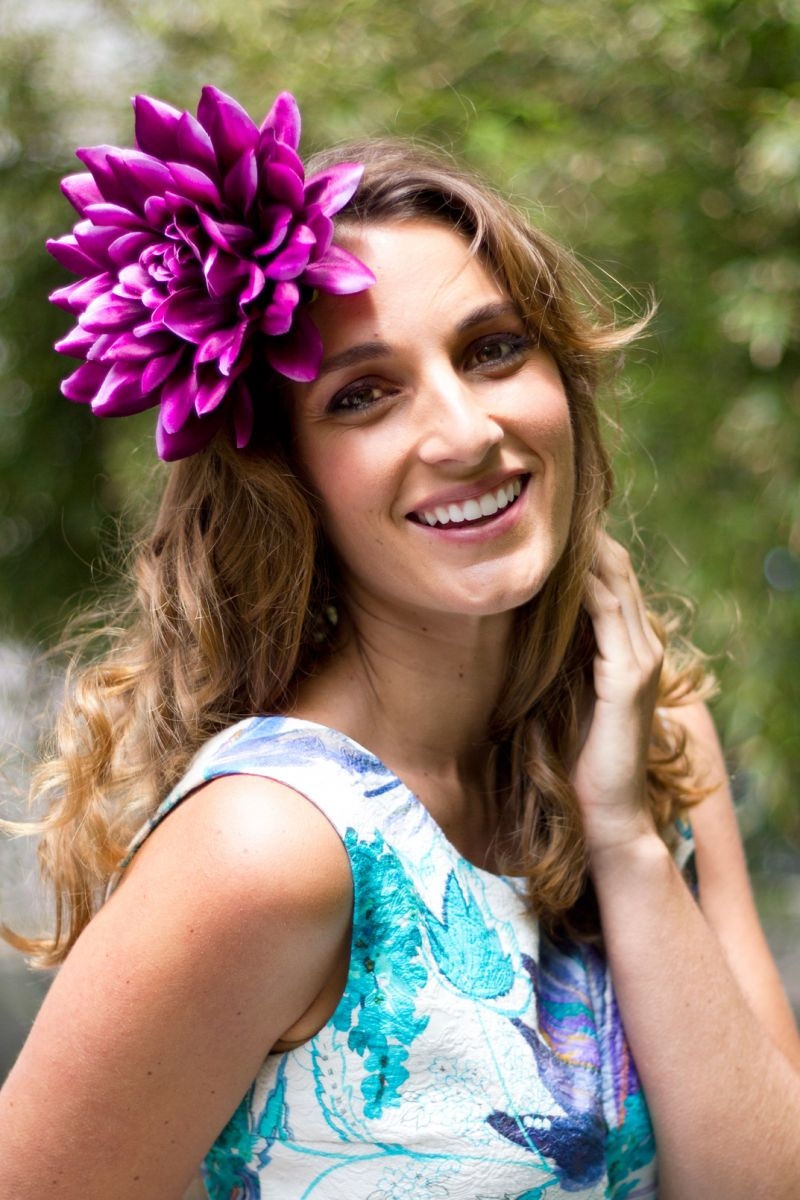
point(469, 1058)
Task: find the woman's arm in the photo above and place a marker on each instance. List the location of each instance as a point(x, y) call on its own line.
point(224, 931)
point(703, 1010)
point(726, 897)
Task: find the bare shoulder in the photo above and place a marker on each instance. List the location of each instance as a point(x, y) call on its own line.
point(250, 843)
point(223, 931)
point(726, 895)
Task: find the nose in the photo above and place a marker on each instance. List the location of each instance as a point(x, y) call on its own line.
point(454, 423)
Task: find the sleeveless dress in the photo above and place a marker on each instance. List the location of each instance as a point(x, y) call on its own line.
point(470, 1058)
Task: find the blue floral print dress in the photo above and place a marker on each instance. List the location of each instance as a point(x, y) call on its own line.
point(469, 1057)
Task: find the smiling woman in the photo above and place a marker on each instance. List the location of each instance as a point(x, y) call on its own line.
point(391, 843)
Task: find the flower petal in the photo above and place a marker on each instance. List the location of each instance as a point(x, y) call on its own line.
point(190, 439)
point(139, 176)
point(283, 119)
point(81, 190)
point(102, 344)
point(108, 312)
point(191, 316)
point(82, 385)
point(133, 282)
point(96, 159)
point(114, 214)
point(160, 368)
point(77, 343)
point(286, 156)
point(299, 354)
point(65, 250)
point(227, 236)
point(338, 271)
point(76, 297)
point(241, 182)
point(230, 128)
point(332, 189)
point(157, 211)
point(195, 146)
point(278, 315)
point(120, 394)
point(279, 184)
point(293, 258)
point(210, 394)
point(224, 272)
point(156, 127)
point(195, 185)
point(173, 136)
point(230, 359)
point(322, 228)
point(276, 218)
point(127, 247)
point(95, 240)
point(130, 347)
point(177, 399)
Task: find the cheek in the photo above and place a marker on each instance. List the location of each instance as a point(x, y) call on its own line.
point(557, 441)
point(349, 497)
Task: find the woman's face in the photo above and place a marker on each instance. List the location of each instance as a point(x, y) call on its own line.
point(437, 435)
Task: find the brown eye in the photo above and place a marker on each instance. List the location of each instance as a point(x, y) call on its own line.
point(356, 397)
point(498, 350)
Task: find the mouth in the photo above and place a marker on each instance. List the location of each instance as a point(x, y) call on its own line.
point(477, 511)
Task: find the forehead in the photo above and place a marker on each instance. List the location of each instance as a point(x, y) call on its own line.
point(423, 271)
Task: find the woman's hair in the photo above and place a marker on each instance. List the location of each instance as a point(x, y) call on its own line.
point(233, 583)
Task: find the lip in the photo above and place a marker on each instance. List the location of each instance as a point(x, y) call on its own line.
point(460, 495)
point(486, 530)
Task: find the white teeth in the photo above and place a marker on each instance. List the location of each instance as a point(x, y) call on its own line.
point(472, 510)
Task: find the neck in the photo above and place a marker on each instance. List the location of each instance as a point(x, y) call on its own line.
point(418, 691)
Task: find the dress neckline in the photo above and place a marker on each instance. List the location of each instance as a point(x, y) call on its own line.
point(345, 738)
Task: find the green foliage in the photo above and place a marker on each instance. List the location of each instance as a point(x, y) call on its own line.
point(660, 139)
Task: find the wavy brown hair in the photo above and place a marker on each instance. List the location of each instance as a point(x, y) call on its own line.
point(230, 585)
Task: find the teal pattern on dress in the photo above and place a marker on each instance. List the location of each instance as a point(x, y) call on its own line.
point(377, 1010)
point(469, 1058)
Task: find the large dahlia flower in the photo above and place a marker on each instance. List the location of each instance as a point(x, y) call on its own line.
point(198, 250)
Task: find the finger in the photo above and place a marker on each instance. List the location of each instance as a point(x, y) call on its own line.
point(615, 569)
point(610, 622)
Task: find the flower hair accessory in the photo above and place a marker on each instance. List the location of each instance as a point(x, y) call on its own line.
point(198, 250)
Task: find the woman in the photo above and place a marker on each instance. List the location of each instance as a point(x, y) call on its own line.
point(415, 911)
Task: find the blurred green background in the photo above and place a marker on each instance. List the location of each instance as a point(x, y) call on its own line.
point(660, 140)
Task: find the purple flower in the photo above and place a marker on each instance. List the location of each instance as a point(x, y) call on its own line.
point(197, 252)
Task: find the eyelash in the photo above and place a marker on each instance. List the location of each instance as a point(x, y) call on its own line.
point(518, 345)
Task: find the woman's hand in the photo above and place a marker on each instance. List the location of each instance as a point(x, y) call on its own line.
point(609, 774)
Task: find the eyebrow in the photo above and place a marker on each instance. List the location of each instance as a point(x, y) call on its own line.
point(364, 351)
point(488, 312)
point(353, 355)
